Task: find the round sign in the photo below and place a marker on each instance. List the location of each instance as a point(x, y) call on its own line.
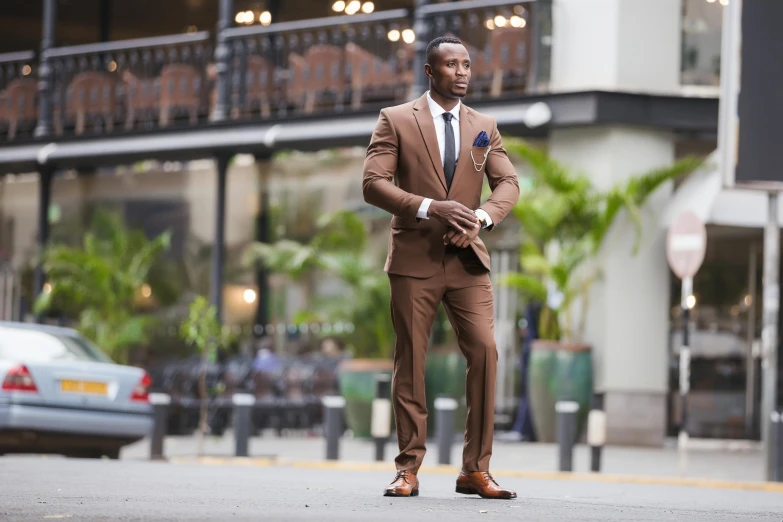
point(686, 244)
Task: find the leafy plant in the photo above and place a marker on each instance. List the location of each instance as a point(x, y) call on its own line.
point(100, 280)
point(202, 330)
point(565, 220)
point(337, 248)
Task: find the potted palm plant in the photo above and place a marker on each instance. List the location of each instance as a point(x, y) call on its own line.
point(101, 280)
point(564, 221)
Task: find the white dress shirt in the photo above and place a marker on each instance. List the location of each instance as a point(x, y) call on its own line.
point(440, 131)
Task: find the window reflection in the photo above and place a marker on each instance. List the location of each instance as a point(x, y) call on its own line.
point(701, 42)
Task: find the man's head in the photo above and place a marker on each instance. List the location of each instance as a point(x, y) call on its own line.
point(448, 67)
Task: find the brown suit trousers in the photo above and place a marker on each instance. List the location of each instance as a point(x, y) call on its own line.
point(403, 167)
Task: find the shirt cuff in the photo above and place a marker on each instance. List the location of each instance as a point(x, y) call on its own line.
point(425, 206)
point(483, 216)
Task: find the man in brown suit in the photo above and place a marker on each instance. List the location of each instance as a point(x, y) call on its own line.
point(424, 167)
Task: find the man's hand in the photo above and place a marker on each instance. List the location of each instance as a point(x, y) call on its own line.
point(455, 215)
point(461, 240)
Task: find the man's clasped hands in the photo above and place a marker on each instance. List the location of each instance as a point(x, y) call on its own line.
point(463, 223)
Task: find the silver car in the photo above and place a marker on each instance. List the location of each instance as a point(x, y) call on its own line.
point(60, 394)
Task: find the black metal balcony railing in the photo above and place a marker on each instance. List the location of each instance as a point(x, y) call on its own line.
point(129, 84)
point(334, 64)
point(499, 36)
point(331, 64)
point(18, 94)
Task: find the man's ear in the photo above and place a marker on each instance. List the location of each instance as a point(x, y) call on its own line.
point(428, 70)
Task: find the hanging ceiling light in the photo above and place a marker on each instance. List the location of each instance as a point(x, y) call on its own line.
point(353, 7)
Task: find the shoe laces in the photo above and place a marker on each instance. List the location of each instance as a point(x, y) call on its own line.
point(487, 475)
point(402, 474)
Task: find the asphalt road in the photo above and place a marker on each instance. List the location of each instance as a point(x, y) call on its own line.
point(54, 488)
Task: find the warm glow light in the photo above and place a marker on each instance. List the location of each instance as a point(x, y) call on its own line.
point(724, 2)
point(250, 296)
point(517, 21)
point(519, 10)
point(47, 288)
point(26, 70)
point(265, 18)
point(353, 7)
point(690, 301)
point(500, 21)
point(192, 29)
point(408, 36)
point(748, 300)
point(490, 24)
point(338, 6)
point(368, 7)
point(112, 66)
point(146, 291)
point(394, 35)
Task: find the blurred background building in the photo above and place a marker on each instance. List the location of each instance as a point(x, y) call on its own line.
point(230, 122)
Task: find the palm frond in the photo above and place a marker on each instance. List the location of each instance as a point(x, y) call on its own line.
point(528, 285)
point(547, 170)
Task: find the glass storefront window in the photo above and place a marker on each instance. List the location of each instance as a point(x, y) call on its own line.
point(701, 41)
point(723, 401)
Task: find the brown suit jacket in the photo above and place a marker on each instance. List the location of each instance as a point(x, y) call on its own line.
point(403, 167)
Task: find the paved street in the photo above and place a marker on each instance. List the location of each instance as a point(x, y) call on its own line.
point(37, 488)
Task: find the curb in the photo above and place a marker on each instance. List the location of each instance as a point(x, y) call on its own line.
point(774, 487)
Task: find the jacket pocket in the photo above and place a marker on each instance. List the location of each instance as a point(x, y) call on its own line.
point(402, 223)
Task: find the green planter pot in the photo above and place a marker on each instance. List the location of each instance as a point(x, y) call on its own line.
point(357, 386)
point(445, 377)
point(559, 371)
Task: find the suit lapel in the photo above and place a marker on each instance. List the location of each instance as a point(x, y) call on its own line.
point(466, 136)
point(421, 112)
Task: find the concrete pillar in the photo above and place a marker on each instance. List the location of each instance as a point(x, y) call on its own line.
point(634, 45)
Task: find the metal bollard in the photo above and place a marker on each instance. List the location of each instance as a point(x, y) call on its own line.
point(776, 446)
point(596, 433)
point(380, 427)
point(445, 408)
point(243, 410)
point(333, 424)
point(160, 418)
point(566, 432)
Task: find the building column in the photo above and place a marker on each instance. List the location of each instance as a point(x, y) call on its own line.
point(45, 174)
point(421, 26)
point(219, 246)
point(634, 46)
point(45, 71)
point(223, 62)
point(262, 234)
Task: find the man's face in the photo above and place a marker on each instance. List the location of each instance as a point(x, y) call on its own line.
point(449, 71)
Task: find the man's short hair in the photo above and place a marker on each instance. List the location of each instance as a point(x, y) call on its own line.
point(433, 45)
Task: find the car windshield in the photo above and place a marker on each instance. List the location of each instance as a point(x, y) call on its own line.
point(22, 345)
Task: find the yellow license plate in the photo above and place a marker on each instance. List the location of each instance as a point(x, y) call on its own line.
point(98, 388)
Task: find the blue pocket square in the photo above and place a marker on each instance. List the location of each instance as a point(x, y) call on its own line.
point(482, 140)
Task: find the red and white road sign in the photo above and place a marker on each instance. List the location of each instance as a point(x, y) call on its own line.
point(686, 245)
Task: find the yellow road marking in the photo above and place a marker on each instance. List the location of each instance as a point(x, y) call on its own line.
point(776, 487)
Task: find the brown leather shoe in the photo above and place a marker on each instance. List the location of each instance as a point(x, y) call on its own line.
point(481, 483)
point(405, 484)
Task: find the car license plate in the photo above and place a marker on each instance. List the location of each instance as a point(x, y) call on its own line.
point(96, 388)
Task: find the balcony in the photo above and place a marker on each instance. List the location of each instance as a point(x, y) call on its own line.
point(341, 65)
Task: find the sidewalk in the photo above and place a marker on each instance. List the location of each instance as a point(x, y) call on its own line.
point(719, 463)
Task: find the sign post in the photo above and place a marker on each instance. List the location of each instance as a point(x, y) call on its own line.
point(686, 245)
